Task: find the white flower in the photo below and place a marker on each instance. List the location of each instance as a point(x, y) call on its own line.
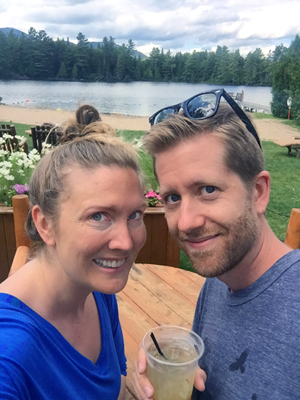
point(18, 155)
point(3, 152)
point(9, 177)
point(7, 136)
point(6, 164)
point(3, 171)
point(34, 155)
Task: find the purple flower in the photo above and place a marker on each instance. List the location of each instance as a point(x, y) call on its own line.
point(21, 189)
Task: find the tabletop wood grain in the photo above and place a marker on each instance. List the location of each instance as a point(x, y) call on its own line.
point(155, 295)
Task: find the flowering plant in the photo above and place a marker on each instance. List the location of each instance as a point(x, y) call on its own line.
point(16, 169)
point(152, 198)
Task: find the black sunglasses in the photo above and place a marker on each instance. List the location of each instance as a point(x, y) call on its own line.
point(204, 105)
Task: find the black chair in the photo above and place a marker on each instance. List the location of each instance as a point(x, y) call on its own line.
point(13, 144)
point(40, 134)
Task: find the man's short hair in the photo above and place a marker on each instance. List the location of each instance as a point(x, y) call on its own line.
point(242, 152)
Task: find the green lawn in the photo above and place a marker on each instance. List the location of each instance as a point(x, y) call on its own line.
point(284, 169)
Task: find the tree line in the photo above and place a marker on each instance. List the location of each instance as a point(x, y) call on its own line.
point(286, 80)
point(37, 56)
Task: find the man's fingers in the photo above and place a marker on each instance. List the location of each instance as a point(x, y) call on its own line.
point(200, 379)
point(141, 384)
point(141, 361)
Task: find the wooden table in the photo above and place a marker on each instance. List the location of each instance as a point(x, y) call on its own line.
point(155, 295)
point(291, 144)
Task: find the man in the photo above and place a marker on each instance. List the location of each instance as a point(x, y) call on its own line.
point(210, 168)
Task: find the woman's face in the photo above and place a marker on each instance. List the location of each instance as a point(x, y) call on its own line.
point(100, 227)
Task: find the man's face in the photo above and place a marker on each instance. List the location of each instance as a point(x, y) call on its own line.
point(209, 212)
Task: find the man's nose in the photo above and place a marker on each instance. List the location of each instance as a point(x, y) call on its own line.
point(190, 216)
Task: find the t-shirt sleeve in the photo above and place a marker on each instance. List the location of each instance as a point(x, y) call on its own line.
point(8, 390)
point(117, 333)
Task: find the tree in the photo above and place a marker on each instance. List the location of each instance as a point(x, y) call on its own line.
point(286, 82)
point(82, 56)
point(62, 73)
point(4, 62)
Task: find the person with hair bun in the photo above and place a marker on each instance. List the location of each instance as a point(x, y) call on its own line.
point(60, 335)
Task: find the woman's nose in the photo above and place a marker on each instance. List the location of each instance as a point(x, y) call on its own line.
point(121, 238)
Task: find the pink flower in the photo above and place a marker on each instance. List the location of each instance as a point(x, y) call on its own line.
point(151, 194)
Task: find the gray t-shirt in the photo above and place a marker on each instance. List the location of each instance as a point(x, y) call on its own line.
point(252, 337)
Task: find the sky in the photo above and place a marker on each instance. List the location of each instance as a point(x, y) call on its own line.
point(184, 26)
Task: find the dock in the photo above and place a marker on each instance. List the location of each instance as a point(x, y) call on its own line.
point(254, 107)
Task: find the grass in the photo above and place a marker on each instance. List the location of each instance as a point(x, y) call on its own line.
point(284, 170)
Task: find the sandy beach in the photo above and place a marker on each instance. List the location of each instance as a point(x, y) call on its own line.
point(267, 129)
point(33, 116)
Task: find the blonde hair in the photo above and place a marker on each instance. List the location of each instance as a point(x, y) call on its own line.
point(98, 147)
point(242, 152)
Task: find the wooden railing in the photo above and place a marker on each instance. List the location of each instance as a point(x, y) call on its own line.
point(7, 240)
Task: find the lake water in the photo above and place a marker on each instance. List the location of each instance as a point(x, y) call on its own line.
point(135, 98)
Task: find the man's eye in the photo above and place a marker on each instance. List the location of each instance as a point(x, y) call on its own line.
point(172, 198)
point(136, 215)
point(208, 189)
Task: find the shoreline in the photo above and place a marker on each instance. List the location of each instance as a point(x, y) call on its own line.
point(37, 116)
point(268, 129)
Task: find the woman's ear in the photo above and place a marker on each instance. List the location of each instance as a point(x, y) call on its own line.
point(43, 226)
point(262, 191)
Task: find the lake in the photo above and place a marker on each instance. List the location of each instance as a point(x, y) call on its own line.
point(134, 98)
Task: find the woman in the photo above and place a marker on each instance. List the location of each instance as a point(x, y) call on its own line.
point(60, 335)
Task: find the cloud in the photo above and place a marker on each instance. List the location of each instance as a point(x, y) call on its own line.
point(182, 26)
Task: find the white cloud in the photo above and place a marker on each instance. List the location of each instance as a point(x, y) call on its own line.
point(165, 24)
point(147, 48)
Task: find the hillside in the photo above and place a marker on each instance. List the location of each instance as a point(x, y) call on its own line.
point(18, 33)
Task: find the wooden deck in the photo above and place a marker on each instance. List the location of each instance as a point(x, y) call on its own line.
point(155, 295)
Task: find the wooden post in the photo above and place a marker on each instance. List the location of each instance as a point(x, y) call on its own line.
point(20, 204)
point(292, 238)
point(160, 248)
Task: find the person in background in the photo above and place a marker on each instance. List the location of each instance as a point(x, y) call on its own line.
point(60, 335)
point(215, 190)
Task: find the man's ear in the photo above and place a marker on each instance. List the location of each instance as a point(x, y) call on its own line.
point(262, 191)
point(43, 225)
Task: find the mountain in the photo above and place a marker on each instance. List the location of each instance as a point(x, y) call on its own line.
point(18, 33)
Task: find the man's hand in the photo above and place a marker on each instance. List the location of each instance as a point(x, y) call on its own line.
point(142, 386)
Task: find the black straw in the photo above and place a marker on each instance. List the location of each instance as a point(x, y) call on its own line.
point(157, 345)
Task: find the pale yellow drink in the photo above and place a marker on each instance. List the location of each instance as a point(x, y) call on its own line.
point(173, 379)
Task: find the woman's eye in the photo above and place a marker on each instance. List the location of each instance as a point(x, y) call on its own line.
point(172, 198)
point(98, 217)
point(136, 215)
point(208, 189)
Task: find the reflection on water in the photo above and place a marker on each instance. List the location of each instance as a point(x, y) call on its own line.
point(135, 98)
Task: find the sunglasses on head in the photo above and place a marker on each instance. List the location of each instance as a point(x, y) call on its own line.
point(204, 105)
